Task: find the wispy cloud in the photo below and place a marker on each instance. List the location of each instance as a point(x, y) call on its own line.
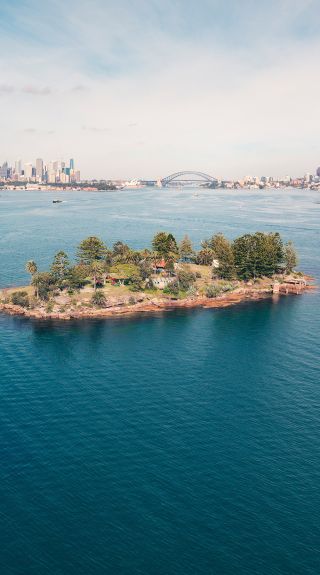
point(205, 82)
point(36, 90)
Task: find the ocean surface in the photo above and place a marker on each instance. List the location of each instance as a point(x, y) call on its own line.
point(180, 444)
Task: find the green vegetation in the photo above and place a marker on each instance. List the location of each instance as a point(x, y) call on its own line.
point(20, 298)
point(168, 269)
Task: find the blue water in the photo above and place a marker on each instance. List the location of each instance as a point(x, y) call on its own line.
point(181, 444)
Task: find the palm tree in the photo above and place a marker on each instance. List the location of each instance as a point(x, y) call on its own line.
point(31, 267)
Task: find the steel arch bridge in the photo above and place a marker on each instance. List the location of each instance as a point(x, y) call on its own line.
point(204, 177)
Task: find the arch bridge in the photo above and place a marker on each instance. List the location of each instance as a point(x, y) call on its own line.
point(188, 176)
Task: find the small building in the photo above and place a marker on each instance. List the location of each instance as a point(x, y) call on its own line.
point(162, 282)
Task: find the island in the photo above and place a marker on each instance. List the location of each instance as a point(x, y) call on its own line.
point(104, 282)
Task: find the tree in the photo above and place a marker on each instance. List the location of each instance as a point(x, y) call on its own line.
point(97, 269)
point(31, 268)
point(185, 248)
point(98, 299)
point(77, 276)
point(185, 278)
point(44, 283)
point(145, 268)
point(60, 268)
point(222, 250)
point(120, 252)
point(91, 249)
point(125, 272)
point(205, 257)
point(290, 258)
point(258, 255)
point(165, 245)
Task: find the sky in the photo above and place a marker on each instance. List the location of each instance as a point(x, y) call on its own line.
point(145, 88)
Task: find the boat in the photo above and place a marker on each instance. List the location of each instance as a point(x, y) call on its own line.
point(56, 201)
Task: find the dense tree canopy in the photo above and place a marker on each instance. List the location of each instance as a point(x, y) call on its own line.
point(165, 245)
point(91, 249)
point(248, 257)
point(258, 255)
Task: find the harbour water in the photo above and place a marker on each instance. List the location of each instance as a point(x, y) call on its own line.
point(180, 444)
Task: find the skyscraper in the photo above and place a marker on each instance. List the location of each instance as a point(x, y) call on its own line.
point(28, 171)
point(72, 164)
point(17, 167)
point(39, 169)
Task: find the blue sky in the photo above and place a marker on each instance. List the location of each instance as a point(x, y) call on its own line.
point(145, 88)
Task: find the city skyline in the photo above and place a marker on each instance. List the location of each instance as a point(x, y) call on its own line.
point(53, 171)
point(134, 92)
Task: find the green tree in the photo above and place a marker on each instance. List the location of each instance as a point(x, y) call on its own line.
point(120, 252)
point(43, 283)
point(223, 252)
point(165, 245)
point(290, 258)
point(97, 270)
point(145, 268)
point(205, 256)
point(185, 248)
point(60, 268)
point(124, 271)
point(77, 276)
point(90, 250)
point(185, 278)
point(98, 299)
point(31, 268)
point(258, 255)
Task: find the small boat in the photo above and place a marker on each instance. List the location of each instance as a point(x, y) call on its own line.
point(56, 201)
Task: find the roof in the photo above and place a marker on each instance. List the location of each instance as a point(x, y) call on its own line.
point(160, 263)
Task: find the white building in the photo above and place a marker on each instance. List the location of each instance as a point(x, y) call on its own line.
point(28, 171)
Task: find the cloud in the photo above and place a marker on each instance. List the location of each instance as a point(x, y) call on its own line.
point(6, 89)
point(36, 90)
point(227, 88)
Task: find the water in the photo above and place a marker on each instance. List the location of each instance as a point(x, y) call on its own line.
point(186, 443)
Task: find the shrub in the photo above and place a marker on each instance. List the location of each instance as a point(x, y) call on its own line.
point(98, 299)
point(213, 291)
point(172, 288)
point(131, 300)
point(185, 278)
point(198, 275)
point(191, 292)
point(20, 298)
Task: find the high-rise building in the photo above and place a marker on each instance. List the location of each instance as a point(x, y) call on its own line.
point(72, 164)
point(17, 167)
point(4, 170)
point(39, 169)
point(28, 171)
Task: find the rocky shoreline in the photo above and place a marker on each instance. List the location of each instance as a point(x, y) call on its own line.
point(158, 305)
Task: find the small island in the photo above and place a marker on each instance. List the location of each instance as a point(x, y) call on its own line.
point(105, 282)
